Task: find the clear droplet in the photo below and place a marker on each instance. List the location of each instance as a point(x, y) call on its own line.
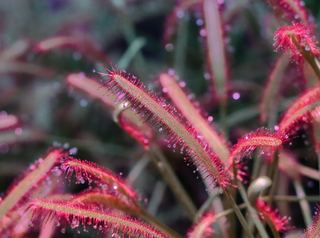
point(180, 14)
point(169, 47)
point(199, 22)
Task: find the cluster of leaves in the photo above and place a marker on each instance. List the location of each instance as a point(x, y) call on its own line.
point(48, 95)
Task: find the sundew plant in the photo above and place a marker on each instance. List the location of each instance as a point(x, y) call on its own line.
point(148, 118)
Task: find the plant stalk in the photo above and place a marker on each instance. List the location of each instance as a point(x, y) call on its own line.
point(304, 205)
point(309, 56)
point(253, 213)
point(238, 213)
point(158, 224)
point(173, 182)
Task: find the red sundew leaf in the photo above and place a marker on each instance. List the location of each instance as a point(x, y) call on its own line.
point(15, 50)
point(18, 67)
point(48, 229)
point(8, 121)
point(299, 109)
point(84, 170)
point(144, 138)
point(27, 136)
point(314, 115)
point(216, 141)
point(217, 59)
point(90, 86)
point(313, 229)
point(271, 215)
point(288, 37)
point(291, 11)
point(288, 164)
point(269, 94)
point(93, 88)
point(107, 200)
point(83, 44)
point(76, 214)
point(157, 112)
point(262, 138)
point(18, 224)
point(37, 173)
point(203, 227)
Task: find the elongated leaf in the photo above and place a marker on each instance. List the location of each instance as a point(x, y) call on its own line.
point(156, 111)
point(181, 101)
point(267, 106)
point(24, 186)
point(216, 48)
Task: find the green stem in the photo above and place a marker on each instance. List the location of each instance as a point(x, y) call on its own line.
point(256, 165)
point(208, 203)
point(267, 198)
point(291, 198)
point(229, 211)
point(309, 56)
point(272, 174)
point(137, 170)
point(253, 213)
point(304, 205)
point(129, 34)
point(233, 192)
point(223, 117)
point(133, 49)
point(173, 182)
point(156, 197)
point(309, 172)
point(238, 213)
point(158, 224)
point(257, 162)
point(215, 202)
point(274, 231)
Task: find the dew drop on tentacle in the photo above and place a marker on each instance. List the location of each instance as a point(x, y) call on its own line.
point(182, 84)
point(48, 181)
point(199, 22)
point(203, 33)
point(171, 72)
point(115, 186)
point(169, 47)
point(73, 151)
